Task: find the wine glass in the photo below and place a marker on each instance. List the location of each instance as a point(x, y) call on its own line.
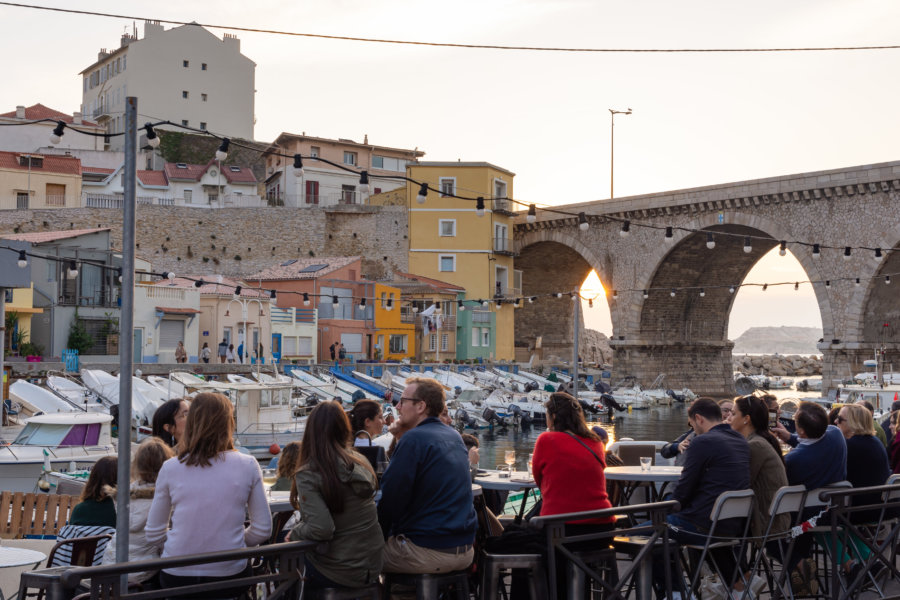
point(530, 463)
point(270, 476)
point(509, 457)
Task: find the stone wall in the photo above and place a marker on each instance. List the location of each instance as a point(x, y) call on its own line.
point(240, 241)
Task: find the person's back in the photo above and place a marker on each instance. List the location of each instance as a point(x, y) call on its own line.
point(570, 478)
point(817, 462)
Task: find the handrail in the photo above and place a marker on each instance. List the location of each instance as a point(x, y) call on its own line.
point(602, 513)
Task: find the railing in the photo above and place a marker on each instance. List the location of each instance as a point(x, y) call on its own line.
point(100, 296)
point(504, 245)
point(293, 315)
point(312, 200)
point(36, 201)
point(115, 201)
point(481, 316)
point(502, 205)
point(345, 311)
point(160, 292)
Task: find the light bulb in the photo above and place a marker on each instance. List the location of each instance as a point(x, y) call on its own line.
point(532, 214)
point(710, 241)
point(298, 165)
point(222, 152)
point(152, 138)
point(479, 206)
point(626, 227)
point(783, 249)
point(670, 236)
point(306, 299)
point(816, 251)
point(423, 192)
point(23, 259)
point(748, 247)
point(582, 222)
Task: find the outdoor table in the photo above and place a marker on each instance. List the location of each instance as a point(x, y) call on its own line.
point(519, 481)
point(281, 501)
point(634, 476)
point(18, 557)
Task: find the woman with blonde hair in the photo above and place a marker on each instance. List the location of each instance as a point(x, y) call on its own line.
point(148, 460)
point(207, 491)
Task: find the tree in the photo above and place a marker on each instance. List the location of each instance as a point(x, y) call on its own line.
point(79, 338)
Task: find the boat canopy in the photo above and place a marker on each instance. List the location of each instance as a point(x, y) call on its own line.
point(51, 430)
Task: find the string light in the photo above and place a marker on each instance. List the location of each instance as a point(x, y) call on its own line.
point(827, 284)
point(531, 217)
point(362, 304)
point(816, 252)
point(731, 289)
point(670, 237)
point(887, 280)
point(626, 227)
point(615, 295)
point(415, 309)
point(856, 282)
point(783, 249)
point(796, 285)
point(152, 138)
point(479, 206)
point(58, 131)
point(672, 293)
point(364, 183)
point(334, 302)
point(460, 306)
point(73, 269)
point(298, 165)
point(646, 294)
point(199, 283)
point(23, 259)
point(590, 303)
point(748, 247)
point(484, 303)
point(273, 295)
point(878, 255)
point(306, 299)
point(559, 294)
point(710, 241)
point(423, 192)
point(702, 293)
point(389, 305)
point(847, 253)
point(765, 286)
point(222, 152)
point(582, 222)
point(237, 291)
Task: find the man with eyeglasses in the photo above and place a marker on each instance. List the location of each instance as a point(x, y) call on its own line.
point(426, 509)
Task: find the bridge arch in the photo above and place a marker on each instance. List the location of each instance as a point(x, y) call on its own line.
point(877, 320)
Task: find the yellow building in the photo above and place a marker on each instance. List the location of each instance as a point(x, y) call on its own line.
point(395, 337)
point(19, 309)
point(31, 181)
point(452, 240)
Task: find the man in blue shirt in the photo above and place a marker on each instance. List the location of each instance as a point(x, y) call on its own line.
point(426, 509)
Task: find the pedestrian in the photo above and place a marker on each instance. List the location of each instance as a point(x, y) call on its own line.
point(229, 354)
point(223, 350)
point(205, 352)
point(240, 354)
point(180, 353)
point(342, 352)
point(332, 349)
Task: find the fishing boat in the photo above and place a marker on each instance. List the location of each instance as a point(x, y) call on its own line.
point(53, 442)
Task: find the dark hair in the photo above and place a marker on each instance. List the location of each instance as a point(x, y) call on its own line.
point(289, 459)
point(326, 441)
point(869, 406)
point(758, 412)
point(771, 402)
point(362, 410)
point(103, 473)
point(165, 415)
point(470, 441)
point(209, 430)
point(812, 419)
point(568, 416)
point(430, 392)
point(706, 408)
point(149, 458)
point(833, 414)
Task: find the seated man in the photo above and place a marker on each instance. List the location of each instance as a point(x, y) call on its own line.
point(426, 508)
point(716, 461)
point(819, 458)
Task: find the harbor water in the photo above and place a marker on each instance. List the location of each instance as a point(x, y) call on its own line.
point(656, 423)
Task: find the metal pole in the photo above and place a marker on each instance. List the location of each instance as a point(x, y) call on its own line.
point(2, 351)
point(612, 149)
point(575, 313)
point(126, 329)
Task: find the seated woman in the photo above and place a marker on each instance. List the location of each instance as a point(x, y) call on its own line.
point(867, 465)
point(97, 507)
point(288, 461)
point(367, 422)
point(148, 460)
point(207, 491)
point(568, 465)
point(169, 420)
point(334, 490)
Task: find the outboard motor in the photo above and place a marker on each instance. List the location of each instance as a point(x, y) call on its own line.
point(675, 396)
point(609, 401)
point(587, 406)
point(519, 416)
point(312, 400)
point(531, 386)
point(464, 419)
point(493, 418)
point(602, 387)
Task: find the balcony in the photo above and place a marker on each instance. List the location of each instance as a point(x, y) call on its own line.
point(114, 201)
point(101, 113)
point(503, 206)
point(481, 316)
point(24, 201)
point(349, 312)
point(504, 246)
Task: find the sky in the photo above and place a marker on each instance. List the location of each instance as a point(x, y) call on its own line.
point(698, 119)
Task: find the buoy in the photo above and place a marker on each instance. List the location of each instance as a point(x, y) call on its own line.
point(274, 449)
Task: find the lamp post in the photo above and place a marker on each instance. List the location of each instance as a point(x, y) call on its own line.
point(612, 143)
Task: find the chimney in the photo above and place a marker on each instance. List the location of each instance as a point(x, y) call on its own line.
point(20, 112)
point(76, 118)
point(232, 41)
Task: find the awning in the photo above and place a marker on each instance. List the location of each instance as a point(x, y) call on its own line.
point(177, 311)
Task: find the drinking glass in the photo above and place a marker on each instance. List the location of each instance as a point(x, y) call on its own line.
point(503, 471)
point(645, 463)
point(270, 476)
point(509, 457)
point(530, 463)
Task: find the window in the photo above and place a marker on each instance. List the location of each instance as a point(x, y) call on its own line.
point(185, 94)
point(184, 122)
point(185, 63)
point(485, 336)
point(447, 262)
point(304, 346)
point(388, 164)
point(432, 342)
point(476, 337)
point(352, 342)
point(171, 331)
point(37, 162)
point(203, 97)
point(448, 186)
point(350, 158)
point(348, 194)
point(55, 194)
point(202, 66)
point(499, 188)
point(124, 60)
point(203, 125)
point(188, 194)
point(397, 344)
point(226, 334)
point(312, 192)
point(447, 227)
point(383, 299)
point(501, 280)
point(22, 200)
point(501, 238)
point(314, 151)
point(445, 341)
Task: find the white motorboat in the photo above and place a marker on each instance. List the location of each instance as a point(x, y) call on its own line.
point(52, 442)
point(881, 397)
point(145, 398)
point(38, 400)
point(172, 388)
point(809, 384)
point(75, 393)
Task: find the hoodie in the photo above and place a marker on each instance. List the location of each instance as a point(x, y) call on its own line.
point(355, 543)
point(138, 549)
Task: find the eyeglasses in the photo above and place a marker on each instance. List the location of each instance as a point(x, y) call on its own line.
point(839, 419)
point(404, 398)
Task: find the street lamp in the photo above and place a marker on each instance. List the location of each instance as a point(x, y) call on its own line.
point(612, 143)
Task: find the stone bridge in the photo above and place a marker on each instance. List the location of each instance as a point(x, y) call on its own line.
point(685, 335)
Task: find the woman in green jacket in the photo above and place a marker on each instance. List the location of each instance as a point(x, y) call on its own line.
point(334, 490)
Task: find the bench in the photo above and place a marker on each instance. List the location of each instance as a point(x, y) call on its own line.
point(32, 515)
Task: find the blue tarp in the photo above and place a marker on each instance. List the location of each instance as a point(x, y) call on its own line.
point(377, 391)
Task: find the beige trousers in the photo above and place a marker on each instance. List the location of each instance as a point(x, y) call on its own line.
point(402, 556)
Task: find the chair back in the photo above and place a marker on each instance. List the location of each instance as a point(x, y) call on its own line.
point(736, 504)
point(894, 494)
point(79, 551)
point(814, 501)
point(631, 454)
point(788, 499)
point(69, 487)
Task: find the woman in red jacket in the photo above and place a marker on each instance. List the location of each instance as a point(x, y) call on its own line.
point(568, 465)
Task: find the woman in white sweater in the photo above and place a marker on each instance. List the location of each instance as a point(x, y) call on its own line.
point(148, 460)
point(208, 489)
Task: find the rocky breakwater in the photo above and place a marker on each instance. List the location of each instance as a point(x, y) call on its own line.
point(792, 365)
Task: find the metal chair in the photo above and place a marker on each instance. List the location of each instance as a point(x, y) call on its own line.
point(371, 591)
point(788, 500)
point(494, 565)
point(428, 585)
point(83, 552)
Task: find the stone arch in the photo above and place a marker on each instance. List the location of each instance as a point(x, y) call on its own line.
point(877, 303)
point(686, 262)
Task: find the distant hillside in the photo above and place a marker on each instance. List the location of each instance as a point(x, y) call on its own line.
point(783, 340)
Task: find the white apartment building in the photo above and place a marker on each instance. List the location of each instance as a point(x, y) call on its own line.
point(323, 184)
point(35, 137)
point(185, 75)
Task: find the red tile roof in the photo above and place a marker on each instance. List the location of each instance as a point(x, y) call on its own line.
point(39, 111)
point(195, 172)
point(177, 311)
point(290, 270)
point(39, 237)
point(243, 175)
point(212, 287)
point(432, 283)
point(53, 163)
point(103, 170)
point(153, 178)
